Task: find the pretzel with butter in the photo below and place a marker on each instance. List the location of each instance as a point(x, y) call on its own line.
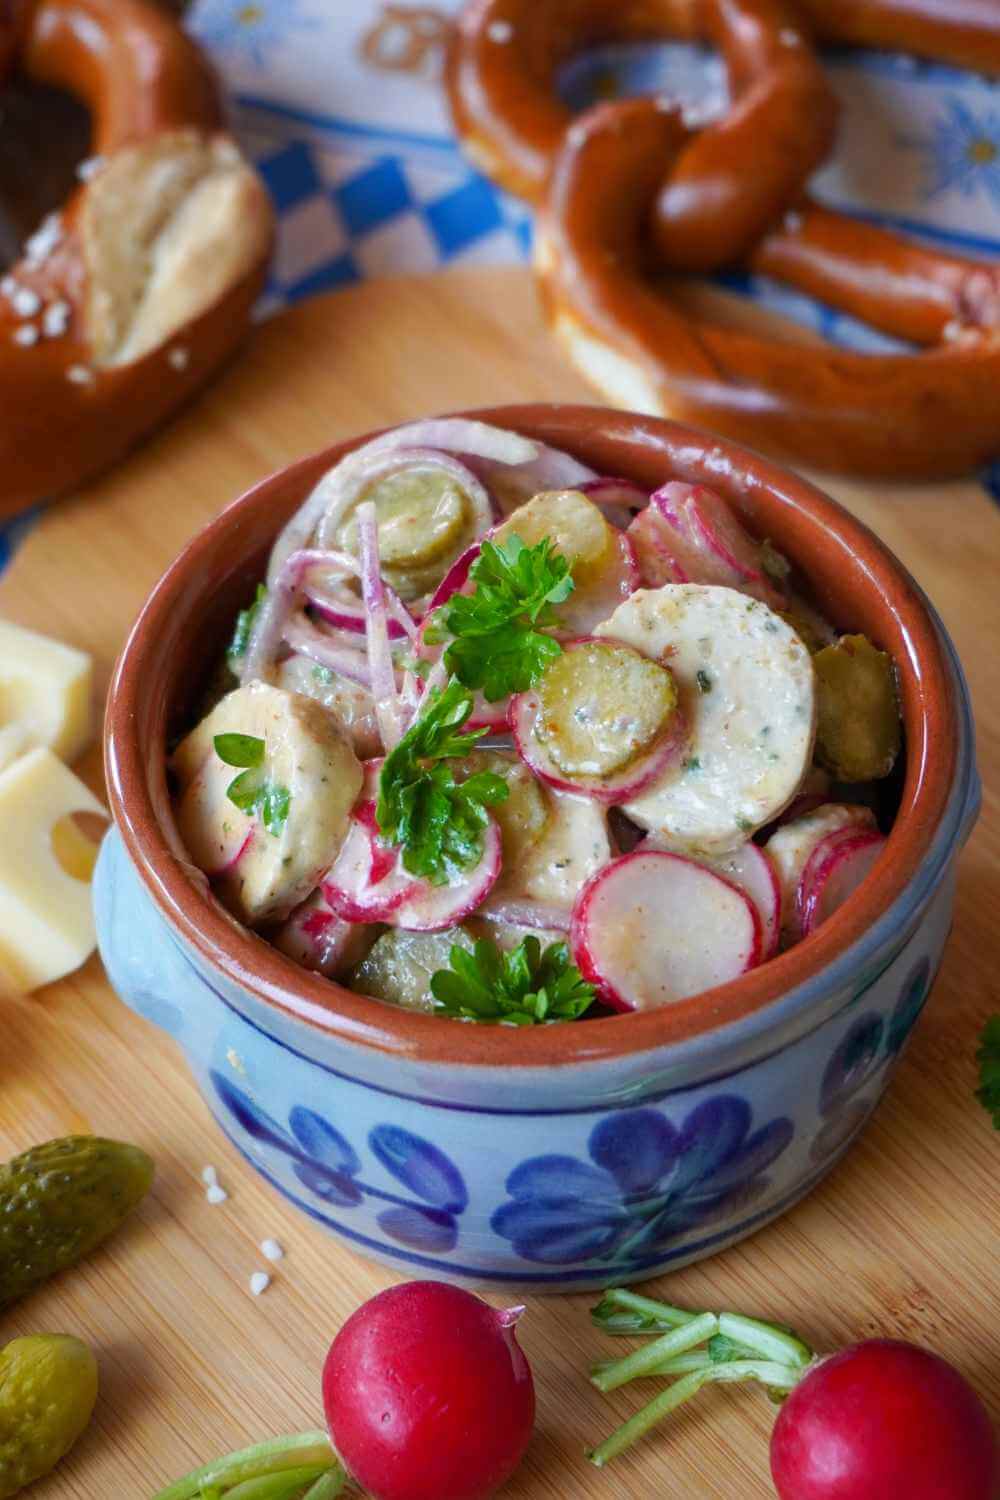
point(129, 297)
point(629, 192)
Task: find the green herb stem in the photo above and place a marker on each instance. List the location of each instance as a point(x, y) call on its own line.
point(622, 1311)
point(765, 1340)
point(680, 1364)
point(310, 1450)
point(288, 1485)
point(643, 1361)
point(777, 1377)
point(329, 1486)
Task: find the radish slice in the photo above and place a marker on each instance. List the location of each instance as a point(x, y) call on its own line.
point(315, 937)
point(654, 927)
point(456, 579)
point(431, 908)
point(792, 845)
point(366, 882)
point(690, 535)
point(751, 869)
point(585, 717)
point(837, 866)
point(711, 524)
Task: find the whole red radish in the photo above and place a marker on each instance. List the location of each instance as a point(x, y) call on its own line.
point(427, 1394)
point(882, 1420)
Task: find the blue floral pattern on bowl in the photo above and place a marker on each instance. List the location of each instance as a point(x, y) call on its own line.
point(650, 1182)
point(327, 1165)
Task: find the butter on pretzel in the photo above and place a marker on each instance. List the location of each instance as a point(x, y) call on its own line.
point(127, 299)
point(629, 192)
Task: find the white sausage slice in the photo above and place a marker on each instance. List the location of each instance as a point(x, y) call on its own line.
point(655, 927)
point(792, 845)
point(304, 752)
point(747, 685)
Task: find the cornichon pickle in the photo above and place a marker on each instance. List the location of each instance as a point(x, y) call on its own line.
point(570, 521)
point(858, 729)
point(48, 1386)
point(524, 816)
point(601, 706)
point(399, 967)
point(59, 1201)
point(424, 520)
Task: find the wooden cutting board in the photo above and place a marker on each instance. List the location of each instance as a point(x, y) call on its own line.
point(902, 1239)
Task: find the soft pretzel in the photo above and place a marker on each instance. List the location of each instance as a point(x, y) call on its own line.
point(733, 193)
point(126, 300)
point(501, 77)
point(930, 413)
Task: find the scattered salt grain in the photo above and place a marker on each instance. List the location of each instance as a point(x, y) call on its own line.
point(44, 240)
point(216, 1194)
point(271, 1250)
point(80, 375)
point(259, 1282)
point(25, 302)
point(26, 335)
point(8, 286)
point(209, 1176)
point(178, 359)
point(55, 319)
point(90, 168)
point(500, 31)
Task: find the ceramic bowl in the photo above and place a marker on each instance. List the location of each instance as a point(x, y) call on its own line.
point(560, 1157)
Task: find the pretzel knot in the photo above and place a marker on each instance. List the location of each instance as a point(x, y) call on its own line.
point(130, 296)
point(629, 196)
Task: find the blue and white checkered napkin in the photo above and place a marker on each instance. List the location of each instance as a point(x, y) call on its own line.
point(340, 104)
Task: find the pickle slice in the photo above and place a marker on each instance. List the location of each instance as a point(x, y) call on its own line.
point(399, 967)
point(570, 521)
point(423, 516)
point(524, 816)
point(858, 732)
point(602, 706)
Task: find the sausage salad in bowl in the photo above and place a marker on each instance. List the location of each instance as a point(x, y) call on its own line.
point(548, 769)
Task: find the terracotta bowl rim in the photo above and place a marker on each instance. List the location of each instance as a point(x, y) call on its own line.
point(935, 805)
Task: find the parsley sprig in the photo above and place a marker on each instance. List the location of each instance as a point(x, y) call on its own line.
point(252, 792)
point(437, 821)
point(524, 987)
point(988, 1058)
point(245, 621)
point(498, 644)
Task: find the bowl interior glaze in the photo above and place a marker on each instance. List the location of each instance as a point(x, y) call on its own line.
point(855, 579)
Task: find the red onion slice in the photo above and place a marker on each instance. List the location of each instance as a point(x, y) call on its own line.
point(346, 661)
point(277, 605)
point(549, 469)
point(525, 914)
point(383, 676)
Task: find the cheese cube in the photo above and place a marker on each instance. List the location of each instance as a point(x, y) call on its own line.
point(46, 922)
point(44, 691)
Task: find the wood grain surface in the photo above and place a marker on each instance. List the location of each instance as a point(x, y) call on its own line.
point(902, 1239)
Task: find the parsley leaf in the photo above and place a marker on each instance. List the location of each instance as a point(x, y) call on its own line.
point(239, 749)
point(525, 987)
point(498, 644)
point(438, 822)
point(245, 620)
point(988, 1058)
point(251, 791)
